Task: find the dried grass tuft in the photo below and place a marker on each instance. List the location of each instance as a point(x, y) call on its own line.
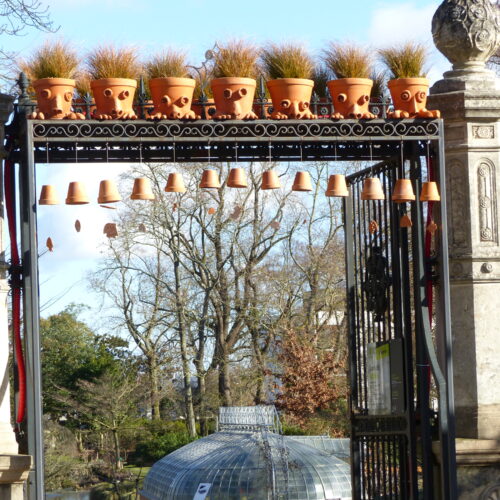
point(168, 63)
point(83, 84)
point(52, 60)
point(113, 62)
point(236, 58)
point(406, 61)
point(379, 79)
point(286, 61)
point(347, 61)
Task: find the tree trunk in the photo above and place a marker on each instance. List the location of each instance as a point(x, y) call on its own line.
point(224, 381)
point(154, 391)
point(116, 443)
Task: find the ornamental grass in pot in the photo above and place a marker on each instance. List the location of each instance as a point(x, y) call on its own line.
point(170, 86)
point(233, 88)
point(408, 84)
point(52, 69)
point(114, 72)
point(351, 89)
point(289, 69)
point(203, 90)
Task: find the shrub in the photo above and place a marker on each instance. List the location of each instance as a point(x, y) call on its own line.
point(111, 62)
point(406, 61)
point(347, 61)
point(51, 60)
point(286, 61)
point(236, 58)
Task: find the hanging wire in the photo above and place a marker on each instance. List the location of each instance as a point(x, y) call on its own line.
point(140, 152)
point(236, 152)
point(76, 153)
point(301, 157)
point(173, 144)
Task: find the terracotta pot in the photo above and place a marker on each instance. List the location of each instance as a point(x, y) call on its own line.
point(54, 98)
point(351, 98)
point(198, 108)
point(48, 195)
point(209, 179)
point(114, 98)
point(270, 180)
point(142, 189)
point(108, 192)
point(337, 186)
point(172, 98)
point(233, 98)
point(403, 191)
point(175, 183)
point(77, 194)
point(302, 182)
point(291, 98)
point(430, 192)
point(409, 97)
point(372, 189)
point(237, 178)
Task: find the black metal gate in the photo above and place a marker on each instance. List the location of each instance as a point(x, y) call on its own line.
point(395, 379)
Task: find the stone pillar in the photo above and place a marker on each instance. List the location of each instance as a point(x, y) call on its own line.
point(14, 468)
point(468, 33)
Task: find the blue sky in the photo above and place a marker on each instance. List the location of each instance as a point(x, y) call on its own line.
point(192, 25)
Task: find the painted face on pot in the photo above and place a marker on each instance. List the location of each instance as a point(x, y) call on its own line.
point(116, 98)
point(352, 105)
point(414, 100)
point(55, 101)
point(293, 109)
point(174, 108)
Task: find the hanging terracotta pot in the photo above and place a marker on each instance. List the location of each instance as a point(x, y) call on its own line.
point(270, 180)
point(233, 98)
point(175, 183)
point(110, 230)
point(49, 244)
point(302, 182)
point(372, 189)
point(403, 191)
point(409, 97)
point(114, 98)
point(291, 98)
point(351, 98)
point(337, 186)
point(172, 98)
point(77, 194)
point(142, 189)
point(108, 192)
point(237, 178)
point(209, 179)
point(430, 192)
point(48, 196)
point(54, 97)
point(405, 221)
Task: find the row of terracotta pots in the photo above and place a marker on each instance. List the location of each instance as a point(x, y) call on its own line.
point(233, 97)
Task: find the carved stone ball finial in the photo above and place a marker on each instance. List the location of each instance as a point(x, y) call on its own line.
point(467, 32)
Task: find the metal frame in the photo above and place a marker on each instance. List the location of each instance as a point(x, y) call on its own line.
point(203, 141)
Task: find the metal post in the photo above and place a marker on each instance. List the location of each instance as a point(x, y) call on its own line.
point(447, 435)
point(29, 255)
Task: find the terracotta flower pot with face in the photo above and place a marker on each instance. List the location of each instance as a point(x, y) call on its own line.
point(351, 98)
point(172, 98)
point(54, 98)
point(291, 98)
point(409, 97)
point(233, 98)
point(114, 98)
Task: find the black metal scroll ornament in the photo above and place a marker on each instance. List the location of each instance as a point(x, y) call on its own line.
point(377, 283)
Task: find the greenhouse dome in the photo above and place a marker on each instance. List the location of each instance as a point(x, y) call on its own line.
point(248, 458)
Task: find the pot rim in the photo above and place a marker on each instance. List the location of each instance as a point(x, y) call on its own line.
point(227, 80)
point(291, 81)
point(350, 81)
point(414, 80)
point(174, 80)
point(125, 82)
point(55, 80)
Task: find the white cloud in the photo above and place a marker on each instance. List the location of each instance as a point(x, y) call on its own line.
point(391, 24)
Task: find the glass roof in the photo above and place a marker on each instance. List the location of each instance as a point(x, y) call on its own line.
point(250, 465)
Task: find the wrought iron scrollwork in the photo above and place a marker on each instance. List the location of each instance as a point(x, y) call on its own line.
point(376, 283)
point(203, 129)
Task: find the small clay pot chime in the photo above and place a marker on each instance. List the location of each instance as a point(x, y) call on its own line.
point(142, 189)
point(209, 179)
point(48, 196)
point(237, 178)
point(77, 194)
point(270, 180)
point(175, 183)
point(302, 182)
point(337, 186)
point(108, 193)
point(372, 189)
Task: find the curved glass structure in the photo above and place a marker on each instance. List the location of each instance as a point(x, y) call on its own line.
point(251, 464)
